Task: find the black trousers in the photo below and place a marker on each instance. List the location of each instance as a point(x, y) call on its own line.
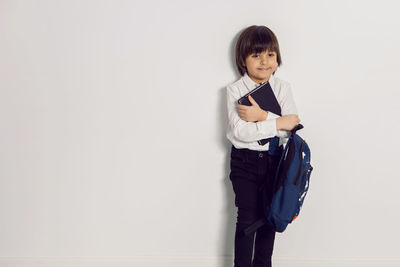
point(249, 171)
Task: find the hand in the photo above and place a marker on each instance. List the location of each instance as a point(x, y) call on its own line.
point(287, 122)
point(251, 113)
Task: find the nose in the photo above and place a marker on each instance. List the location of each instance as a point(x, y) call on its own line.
point(263, 60)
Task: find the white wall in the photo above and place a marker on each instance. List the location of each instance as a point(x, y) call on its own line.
point(113, 121)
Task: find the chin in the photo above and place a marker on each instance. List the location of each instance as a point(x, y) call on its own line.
point(263, 77)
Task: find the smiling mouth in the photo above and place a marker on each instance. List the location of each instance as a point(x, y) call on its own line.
point(264, 69)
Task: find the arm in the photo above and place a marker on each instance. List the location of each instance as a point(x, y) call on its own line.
point(280, 133)
point(244, 130)
point(288, 106)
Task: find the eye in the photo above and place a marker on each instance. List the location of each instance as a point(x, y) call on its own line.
point(271, 54)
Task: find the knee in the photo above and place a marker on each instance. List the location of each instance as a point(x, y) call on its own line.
point(247, 216)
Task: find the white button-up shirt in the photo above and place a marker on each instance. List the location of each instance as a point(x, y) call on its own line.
point(244, 134)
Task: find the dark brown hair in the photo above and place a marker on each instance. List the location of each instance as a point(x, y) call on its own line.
point(255, 39)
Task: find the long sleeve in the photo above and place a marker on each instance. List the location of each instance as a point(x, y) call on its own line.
point(243, 130)
point(287, 105)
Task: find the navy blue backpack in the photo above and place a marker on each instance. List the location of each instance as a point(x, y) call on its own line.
point(290, 184)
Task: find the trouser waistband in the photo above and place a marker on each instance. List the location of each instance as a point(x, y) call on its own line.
point(253, 154)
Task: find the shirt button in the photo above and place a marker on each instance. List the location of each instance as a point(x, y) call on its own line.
point(260, 154)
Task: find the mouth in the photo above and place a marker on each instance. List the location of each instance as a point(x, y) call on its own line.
point(264, 69)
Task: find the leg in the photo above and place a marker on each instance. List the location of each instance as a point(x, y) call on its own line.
point(264, 246)
point(265, 236)
point(246, 201)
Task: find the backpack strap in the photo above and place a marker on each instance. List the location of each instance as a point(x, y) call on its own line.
point(300, 155)
point(296, 128)
point(254, 226)
point(284, 157)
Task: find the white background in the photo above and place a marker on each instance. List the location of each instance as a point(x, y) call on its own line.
point(113, 121)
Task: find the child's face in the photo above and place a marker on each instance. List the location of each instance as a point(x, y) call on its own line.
point(260, 66)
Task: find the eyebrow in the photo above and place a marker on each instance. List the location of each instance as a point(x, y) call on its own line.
point(269, 52)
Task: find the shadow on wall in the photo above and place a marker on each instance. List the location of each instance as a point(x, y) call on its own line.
point(227, 235)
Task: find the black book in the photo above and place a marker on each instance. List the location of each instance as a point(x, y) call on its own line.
point(265, 98)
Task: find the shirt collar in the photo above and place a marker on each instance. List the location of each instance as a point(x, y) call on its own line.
point(252, 84)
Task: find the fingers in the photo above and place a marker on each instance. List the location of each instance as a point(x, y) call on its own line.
point(242, 114)
point(242, 107)
point(252, 101)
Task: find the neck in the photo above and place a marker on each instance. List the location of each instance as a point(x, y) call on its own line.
point(260, 81)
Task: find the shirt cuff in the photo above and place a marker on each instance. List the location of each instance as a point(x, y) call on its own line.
point(267, 128)
point(283, 133)
point(271, 115)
